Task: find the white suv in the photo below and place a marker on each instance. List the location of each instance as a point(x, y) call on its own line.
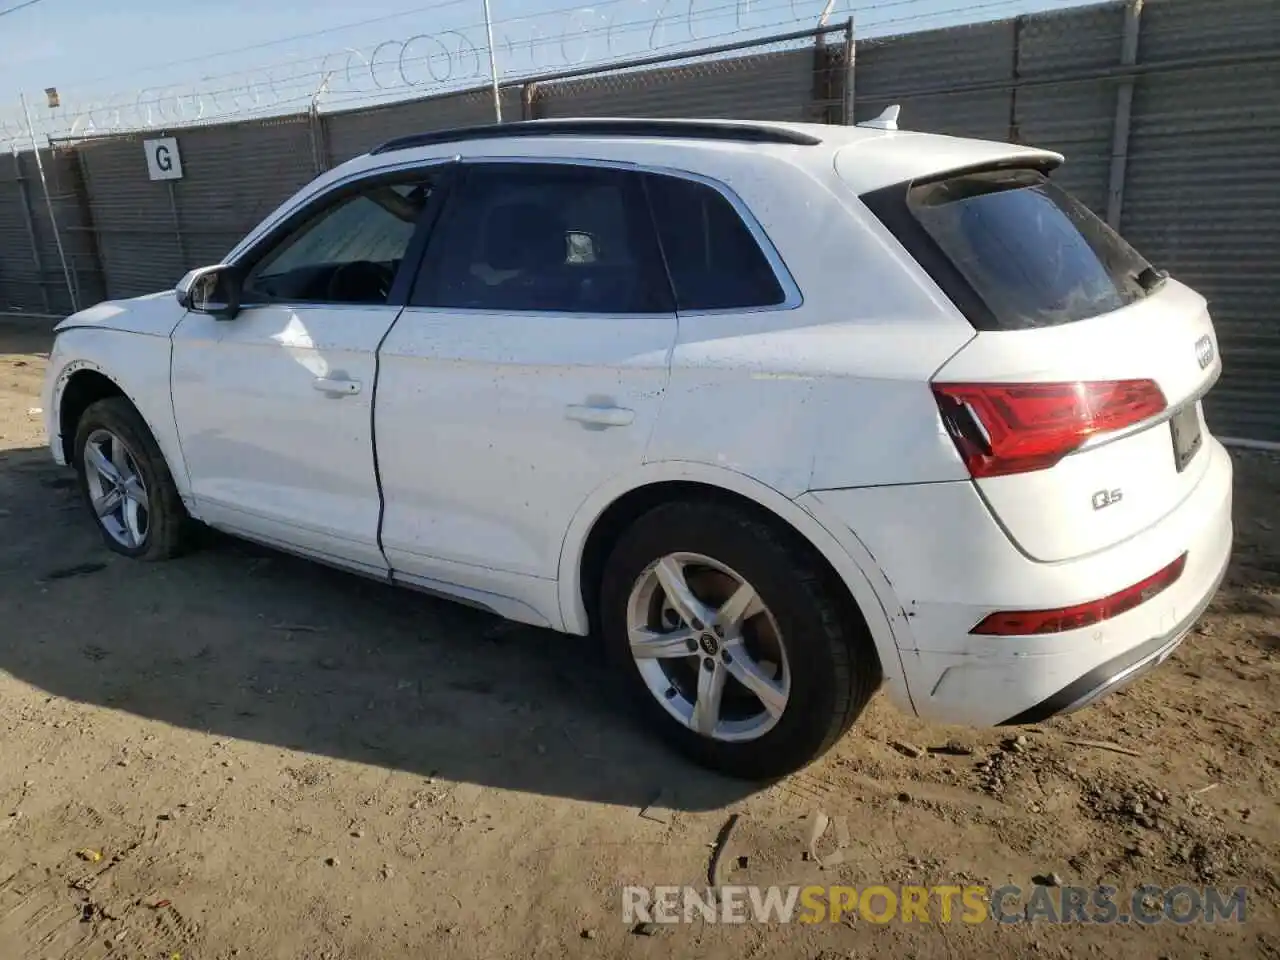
point(778, 412)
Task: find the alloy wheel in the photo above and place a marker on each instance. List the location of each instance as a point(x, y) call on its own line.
point(117, 491)
point(708, 648)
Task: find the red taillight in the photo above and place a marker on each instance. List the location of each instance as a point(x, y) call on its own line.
point(1003, 428)
point(1024, 623)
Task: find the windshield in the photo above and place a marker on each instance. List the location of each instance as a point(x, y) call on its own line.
point(1034, 254)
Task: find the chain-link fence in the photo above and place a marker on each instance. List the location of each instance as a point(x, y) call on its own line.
point(796, 78)
point(150, 232)
point(1168, 112)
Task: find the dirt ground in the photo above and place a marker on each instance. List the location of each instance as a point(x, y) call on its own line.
point(276, 760)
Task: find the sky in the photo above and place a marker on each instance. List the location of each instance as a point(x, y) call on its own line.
point(143, 62)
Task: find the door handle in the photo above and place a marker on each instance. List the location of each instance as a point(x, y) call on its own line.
point(600, 416)
point(336, 386)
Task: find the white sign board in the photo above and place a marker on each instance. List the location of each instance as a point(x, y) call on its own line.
point(163, 161)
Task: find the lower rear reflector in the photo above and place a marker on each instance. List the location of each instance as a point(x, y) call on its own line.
point(1024, 623)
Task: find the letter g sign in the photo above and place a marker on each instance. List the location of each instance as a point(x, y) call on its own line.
point(163, 160)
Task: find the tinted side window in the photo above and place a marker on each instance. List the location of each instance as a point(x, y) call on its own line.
point(348, 252)
point(714, 261)
point(546, 237)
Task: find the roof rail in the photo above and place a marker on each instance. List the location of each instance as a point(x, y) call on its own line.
point(681, 129)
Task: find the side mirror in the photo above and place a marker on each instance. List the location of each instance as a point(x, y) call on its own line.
point(213, 290)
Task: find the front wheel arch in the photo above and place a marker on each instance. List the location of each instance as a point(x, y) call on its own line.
point(100, 364)
point(168, 526)
point(82, 389)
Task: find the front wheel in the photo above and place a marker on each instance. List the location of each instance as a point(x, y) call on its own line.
point(126, 483)
point(735, 639)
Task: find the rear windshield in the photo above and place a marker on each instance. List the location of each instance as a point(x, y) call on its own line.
point(1030, 253)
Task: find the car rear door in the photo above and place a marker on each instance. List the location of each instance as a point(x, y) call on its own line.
point(527, 370)
point(274, 406)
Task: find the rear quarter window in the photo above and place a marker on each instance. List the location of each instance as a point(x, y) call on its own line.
point(712, 257)
point(1012, 249)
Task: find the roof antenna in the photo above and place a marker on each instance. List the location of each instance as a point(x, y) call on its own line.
point(886, 121)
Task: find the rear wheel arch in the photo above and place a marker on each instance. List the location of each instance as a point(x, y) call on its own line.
point(608, 514)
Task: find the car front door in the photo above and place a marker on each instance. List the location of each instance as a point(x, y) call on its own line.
point(274, 406)
point(527, 369)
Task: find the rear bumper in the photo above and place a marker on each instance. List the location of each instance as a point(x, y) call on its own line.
point(1119, 671)
point(944, 564)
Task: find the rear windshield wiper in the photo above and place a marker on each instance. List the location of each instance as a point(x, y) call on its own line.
point(1151, 279)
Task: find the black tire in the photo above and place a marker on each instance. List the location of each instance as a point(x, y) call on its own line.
point(169, 525)
point(833, 662)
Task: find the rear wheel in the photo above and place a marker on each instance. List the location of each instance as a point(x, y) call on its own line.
point(126, 483)
point(736, 642)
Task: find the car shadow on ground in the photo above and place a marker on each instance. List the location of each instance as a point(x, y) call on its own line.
point(241, 641)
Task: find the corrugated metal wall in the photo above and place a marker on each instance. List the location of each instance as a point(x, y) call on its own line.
point(151, 232)
point(351, 133)
point(907, 70)
point(31, 275)
point(75, 228)
point(233, 176)
point(133, 216)
point(768, 86)
point(1076, 119)
point(26, 283)
point(1202, 198)
point(1201, 192)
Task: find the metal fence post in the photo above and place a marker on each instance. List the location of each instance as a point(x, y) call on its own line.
point(1014, 133)
point(1124, 114)
point(831, 73)
point(316, 128)
point(29, 221)
point(177, 225)
point(315, 123)
point(53, 219)
point(493, 64)
point(93, 252)
point(849, 101)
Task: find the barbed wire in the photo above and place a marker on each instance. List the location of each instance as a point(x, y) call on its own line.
point(422, 63)
point(440, 61)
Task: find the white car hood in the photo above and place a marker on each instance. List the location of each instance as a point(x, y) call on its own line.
point(155, 314)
